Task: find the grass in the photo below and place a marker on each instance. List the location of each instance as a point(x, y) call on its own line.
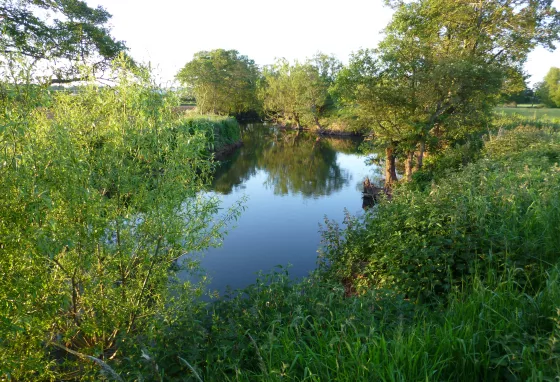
point(532, 113)
point(492, 329)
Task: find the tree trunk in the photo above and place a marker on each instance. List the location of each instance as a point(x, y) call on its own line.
point(298, 126)
point(408, 165)
point(420, 158)
point(317, 123)
point(390, 168)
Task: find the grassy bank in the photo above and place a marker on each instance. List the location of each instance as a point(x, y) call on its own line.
point(220, 131)
point(492, 329)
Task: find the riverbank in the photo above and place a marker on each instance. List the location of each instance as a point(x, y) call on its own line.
point(223, 133)
point(452, 280)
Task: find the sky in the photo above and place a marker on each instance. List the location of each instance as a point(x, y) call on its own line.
point(167, 33)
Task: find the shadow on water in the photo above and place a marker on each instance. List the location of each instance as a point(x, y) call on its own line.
point(294, 161)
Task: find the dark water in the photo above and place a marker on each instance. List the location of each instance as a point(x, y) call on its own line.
point(292, 180)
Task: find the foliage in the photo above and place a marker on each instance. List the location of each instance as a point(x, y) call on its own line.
point(100, 208)
point(295, 94)
point(58, 33)
point(278, 329)
point(219, 130)
point(222, 81)
point(548, 90)
point(501, 211)
point(438, 77)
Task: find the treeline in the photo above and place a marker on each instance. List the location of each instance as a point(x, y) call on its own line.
point(296, 95)
point(545, 92)
point(432, 82)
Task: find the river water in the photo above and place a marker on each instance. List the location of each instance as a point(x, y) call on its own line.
point(291, 180)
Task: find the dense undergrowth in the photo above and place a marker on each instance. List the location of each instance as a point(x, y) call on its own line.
point(220, 131)
point(492, 328)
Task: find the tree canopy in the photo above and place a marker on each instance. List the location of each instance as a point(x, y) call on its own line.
point(59, 33)
point(223, 81)
point(549, 89)
point(296, 94)
point(442, 64)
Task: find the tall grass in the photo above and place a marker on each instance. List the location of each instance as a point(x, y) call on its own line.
point(493, 328)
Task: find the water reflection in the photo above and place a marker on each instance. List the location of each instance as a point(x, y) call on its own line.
point(291, 181)
point(294, 162)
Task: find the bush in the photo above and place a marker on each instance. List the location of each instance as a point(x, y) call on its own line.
point(503, 210)
point(219, 130)
point(99, 202)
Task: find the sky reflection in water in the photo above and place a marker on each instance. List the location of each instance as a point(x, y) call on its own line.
point(292, 180)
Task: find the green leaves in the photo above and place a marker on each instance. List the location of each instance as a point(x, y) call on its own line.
point(223, 81)
point(500, 211)
point(294, 95)
point(103, 201)
point(74, 33)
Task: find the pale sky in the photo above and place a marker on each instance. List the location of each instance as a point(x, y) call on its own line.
point(168, 32)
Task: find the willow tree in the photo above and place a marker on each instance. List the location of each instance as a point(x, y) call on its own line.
point(294, 94)
point(440, 68)
point(223, 81)
point(101, 204)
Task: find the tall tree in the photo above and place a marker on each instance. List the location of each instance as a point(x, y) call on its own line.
point(549, 89)
point(223, 81)
point(294, 94)
point(58, 33)
point(438, 72)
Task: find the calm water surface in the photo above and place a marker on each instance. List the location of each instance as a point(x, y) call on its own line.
point(291, 181)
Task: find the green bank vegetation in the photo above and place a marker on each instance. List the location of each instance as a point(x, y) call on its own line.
point(100, 206)
point(455, 278)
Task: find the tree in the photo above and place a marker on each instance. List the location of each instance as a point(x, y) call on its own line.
point(223, 81)
point(328, 66)
point(74, 33)
point(437, 74)
point(549, 89)
point(294, 94)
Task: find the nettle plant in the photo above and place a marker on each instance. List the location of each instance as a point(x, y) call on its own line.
point(100, 204)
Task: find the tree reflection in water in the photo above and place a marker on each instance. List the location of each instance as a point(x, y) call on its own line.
point(294, 161)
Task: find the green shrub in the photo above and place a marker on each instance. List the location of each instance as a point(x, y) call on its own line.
point(99, 202)
point(219, 130)
point(501, 210)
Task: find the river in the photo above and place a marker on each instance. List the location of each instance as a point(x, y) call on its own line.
point(291, 180)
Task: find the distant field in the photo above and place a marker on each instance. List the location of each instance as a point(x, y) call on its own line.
point(527, 111)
